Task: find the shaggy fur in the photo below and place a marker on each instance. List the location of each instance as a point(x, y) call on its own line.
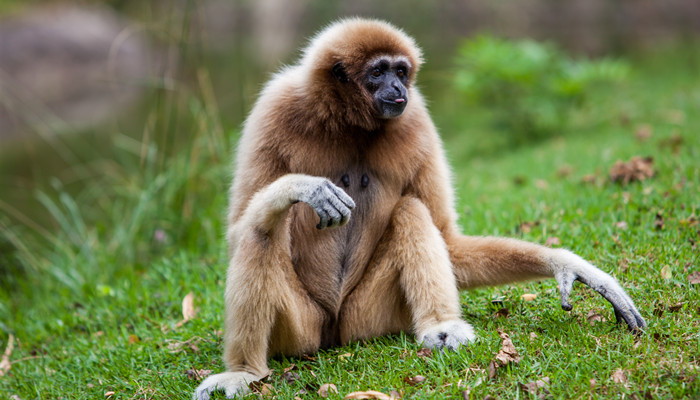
point(391, 257)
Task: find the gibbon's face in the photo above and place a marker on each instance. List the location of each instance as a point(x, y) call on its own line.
point(386, 79)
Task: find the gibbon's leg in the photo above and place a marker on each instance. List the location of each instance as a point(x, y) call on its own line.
point(263, 293)
point(408, 285)
point(480, 261)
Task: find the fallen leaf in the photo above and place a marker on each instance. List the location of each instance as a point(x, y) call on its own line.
point(109, 394)
point(676, 307)
point(370, 394)
point(589, 179)
point(526, 227)
point(528, 296)
point(539, 385)
point(564, 171)
point(621, 225)
point(666, 273)
point(133, 339)
point(198, 374)
point(636, 169)
point(506, 355)
point(502, 313)
point(593, 318)
point(5, 362)
point(290, 377)
point(620, 377)
point(643, 132)
point(533, 336)
point(260, 387)
point(414, 380)
point(291, 367)
point(552, 241)
point(659, 221)
point(425, 353)
point(394, 394)
point(326, 389)
point(694, 278)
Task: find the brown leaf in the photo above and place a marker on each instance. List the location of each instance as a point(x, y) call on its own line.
point(528, 297)
point(502, 313)
point(291, 367)
point(5, 363)
point(620, 377)
point(636, 169)
point(109, 394)
point(394, 394)
point(197, 374)
point(552, 241)
point(506, 355)
point(370, 394)
point(290, 377)
point(694, 278)
point(564, 171)
point(425, 353)
point(188, 310)
point(326, 389)
point(260, 387)
point(133, 339)
point(414, 380)
point(526, 227)
point(666, 273)
point(593, 318)
point(538, 386)
point(676, 307)
point(643, 132)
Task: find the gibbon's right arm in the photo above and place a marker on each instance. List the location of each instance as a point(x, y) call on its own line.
point(268, 206)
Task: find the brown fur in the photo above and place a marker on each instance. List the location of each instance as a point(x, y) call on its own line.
point(398, 262)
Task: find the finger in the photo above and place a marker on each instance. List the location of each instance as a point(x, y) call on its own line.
point(341, 196)
point(342, 209)
point(566, 282)
point(334, 216)
point(324, 219)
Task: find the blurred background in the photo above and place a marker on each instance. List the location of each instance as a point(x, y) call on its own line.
point(98, 97)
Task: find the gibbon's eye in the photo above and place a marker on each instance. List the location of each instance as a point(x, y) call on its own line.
point(377, 72)
point(401, 72)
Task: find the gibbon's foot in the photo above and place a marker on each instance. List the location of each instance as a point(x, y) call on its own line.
point(570, 267)
point(231, 383)
point(329, 201)
point(449, 334)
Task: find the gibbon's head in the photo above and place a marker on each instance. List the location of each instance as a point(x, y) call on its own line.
point(364, 66)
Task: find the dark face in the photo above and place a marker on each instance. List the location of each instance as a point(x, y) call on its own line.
point(386, 79)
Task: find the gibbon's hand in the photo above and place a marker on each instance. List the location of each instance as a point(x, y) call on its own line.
point(329, 201)
point(570, 268)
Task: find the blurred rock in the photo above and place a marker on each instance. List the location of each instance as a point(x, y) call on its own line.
point(64, 67)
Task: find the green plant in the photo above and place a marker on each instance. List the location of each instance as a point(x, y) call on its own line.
point(531, 87)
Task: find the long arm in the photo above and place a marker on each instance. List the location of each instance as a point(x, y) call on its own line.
point(479, 261)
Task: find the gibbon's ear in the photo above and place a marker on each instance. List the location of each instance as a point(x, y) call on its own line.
point(338, 71)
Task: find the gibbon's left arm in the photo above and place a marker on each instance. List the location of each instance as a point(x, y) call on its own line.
point(481, 261)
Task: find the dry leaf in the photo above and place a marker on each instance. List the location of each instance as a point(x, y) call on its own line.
point(552, 241)
point(538, 386)
point(593, 317)
point(414, 380)
point(370, 394)
point(133, 339)
point(620, 377)
point(425, 353)
point(564, 171)
point(188, 310)
point(260, 387)
point(676, 307)
point(290, 377)
point(326, 389)
point(109, 394)
point(694, 278)
point(528, 296)
point(643, 132)
point(621, 225)
point(5, 362)
point(291, 367)
point(636, 169)
point(533, 336)
point(198, 374)
point(506, 355)
point(666, 273)
point(394, 394)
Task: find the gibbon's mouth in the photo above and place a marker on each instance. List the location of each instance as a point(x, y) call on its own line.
point(400, 100)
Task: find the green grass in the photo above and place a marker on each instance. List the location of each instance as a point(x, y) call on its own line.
point(96, 303)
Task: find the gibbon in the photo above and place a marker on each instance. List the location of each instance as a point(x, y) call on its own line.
point(341, 223)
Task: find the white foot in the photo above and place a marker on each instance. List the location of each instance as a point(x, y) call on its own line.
point(449, 334)
point(231, 383)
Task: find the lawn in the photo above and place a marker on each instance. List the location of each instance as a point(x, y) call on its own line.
point(96, 308)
